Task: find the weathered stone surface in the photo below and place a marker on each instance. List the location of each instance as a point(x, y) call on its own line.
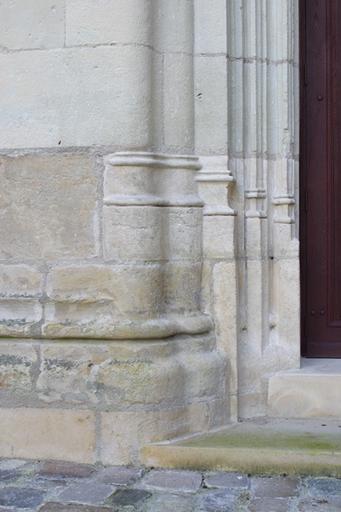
point(21, 497)
point(320, 505)
point(74, 96)
point(219, 501)
point(163, 502)
point(60, 469)
point(119, 475)
point(85, 493)
point(226, 480)
point(211, 104)
point(61, 507)
point(108, 21)
point(321, 486)
point(179, 481)
point(270, 505)
point(128, 497)
point(275, 487)
point(20, 281)
point(16, 363)
point(47, 207)
point(32, 24)
point(41, 433)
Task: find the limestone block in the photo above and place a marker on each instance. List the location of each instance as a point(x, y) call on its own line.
point(58, 434)
point(255, 233)
point(236, 107)
point(184, 237)
point(210, 26)
point(107, 22)
point(20, 317)
point(84, 96)
point(178, 102)
point(206, 375)
point(64, 374)
point(20, 281)
point(47, 206)
point(182, 286)
point(173, 26)
point(85, 373)
point(94, 300)
point(32, 24)
point(139, 383)
point(16, 361)
point(225, 312)
point(287, 307)
point(211, 105)
point(133, 289)
point(218, 237)
point(133, 233)
point(125, 433)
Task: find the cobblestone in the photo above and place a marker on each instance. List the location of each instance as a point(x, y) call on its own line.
point(64, 487)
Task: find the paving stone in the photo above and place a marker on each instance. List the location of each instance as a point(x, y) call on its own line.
point(161, 502)
point(219, 501)
point(59, 507)
point(8, 464)
point(270, 505)
point(89, 493)
point(126, 497)
point(181, 481)
point(42, 482)
point(65, 470)
point(226, 481)
point(324, 486)
point(21, 497)
point(119, 475)
point(275, 487)
point(320, 505)
point(9, 474)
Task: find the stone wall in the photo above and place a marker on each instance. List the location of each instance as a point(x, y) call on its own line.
point(104, 344)
point(149, 278)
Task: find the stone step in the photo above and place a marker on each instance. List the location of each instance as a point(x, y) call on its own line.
point(264, 446)
point(312, 391)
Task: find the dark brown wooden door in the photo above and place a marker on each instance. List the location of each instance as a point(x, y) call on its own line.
point(321, 177)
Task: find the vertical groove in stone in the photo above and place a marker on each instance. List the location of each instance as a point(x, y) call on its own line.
point(263, 147)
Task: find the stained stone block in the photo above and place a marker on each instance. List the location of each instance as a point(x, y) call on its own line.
point(20, 281)
point(47, 209)
point(16, 362)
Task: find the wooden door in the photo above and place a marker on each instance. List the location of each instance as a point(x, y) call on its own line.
point(321, 177)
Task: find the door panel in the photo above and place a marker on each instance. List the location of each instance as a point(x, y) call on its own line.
point(321, 177)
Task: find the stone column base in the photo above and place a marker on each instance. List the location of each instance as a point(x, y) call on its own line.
point(102, 401)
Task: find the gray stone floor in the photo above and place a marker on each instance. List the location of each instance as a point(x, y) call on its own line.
point(57, 487)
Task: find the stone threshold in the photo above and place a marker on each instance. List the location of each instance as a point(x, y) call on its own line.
point(263, 446)
point(314, 390)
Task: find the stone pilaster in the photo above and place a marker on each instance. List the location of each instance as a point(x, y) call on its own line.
point(263, 143)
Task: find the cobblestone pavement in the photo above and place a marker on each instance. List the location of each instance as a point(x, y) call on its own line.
point(58, 487)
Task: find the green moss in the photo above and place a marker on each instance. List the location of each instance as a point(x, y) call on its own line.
point(307, 442)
